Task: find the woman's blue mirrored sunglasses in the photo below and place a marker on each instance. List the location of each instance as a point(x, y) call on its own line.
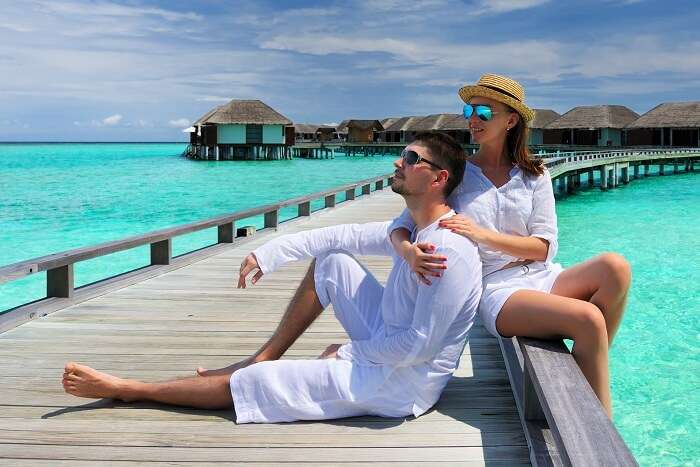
point(483, 112)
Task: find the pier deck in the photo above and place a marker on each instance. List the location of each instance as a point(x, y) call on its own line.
point(167, 325)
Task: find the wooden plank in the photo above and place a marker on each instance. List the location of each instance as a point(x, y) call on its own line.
point(584, 434)
point(268, 454)
point(543, 449)
point(221, 439)
point(170, 323)
point(71, 463)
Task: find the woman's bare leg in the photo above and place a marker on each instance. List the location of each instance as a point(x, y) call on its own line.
point(604, 281)
point(209, 392)
point(546, 316)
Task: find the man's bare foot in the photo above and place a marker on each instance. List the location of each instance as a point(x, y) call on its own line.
point(227, 370)
point(83, 381)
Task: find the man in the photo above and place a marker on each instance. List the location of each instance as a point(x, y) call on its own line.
point(406, 338)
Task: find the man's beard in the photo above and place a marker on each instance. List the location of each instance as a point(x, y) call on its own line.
point(398, 187)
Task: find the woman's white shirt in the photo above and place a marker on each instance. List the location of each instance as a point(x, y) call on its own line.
point(523, 206)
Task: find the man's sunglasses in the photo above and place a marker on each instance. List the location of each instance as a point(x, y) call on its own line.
point(412, 158)
point(483, 112)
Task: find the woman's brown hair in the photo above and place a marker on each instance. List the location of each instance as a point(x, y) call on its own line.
point(516, 145)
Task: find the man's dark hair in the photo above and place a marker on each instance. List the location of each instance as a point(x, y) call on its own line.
point(445, 152)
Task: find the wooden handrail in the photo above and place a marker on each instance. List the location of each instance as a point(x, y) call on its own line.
point(160, 239)
point(554, 389)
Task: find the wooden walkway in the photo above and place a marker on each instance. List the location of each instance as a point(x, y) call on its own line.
point(166, 326)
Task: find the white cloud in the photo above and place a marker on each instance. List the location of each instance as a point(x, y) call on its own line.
point(484, 7)
point(214, 99)
point(110, 9)
point(16, 27)
point(179, 123)
point(112, 120)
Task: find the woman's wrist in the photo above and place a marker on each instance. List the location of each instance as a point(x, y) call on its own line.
point(486, 236)
point(405, 248)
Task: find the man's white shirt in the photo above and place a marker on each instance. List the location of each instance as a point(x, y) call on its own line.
point(425, 326)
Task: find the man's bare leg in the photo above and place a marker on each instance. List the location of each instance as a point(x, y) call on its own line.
point(303, 310)
point(211, 392)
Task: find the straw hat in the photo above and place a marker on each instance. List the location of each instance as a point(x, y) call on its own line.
point(501, 89)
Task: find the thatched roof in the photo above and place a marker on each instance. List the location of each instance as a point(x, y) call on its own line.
point(204, 117)
point(387, 122)
point(543, 117)
point(244, 111)
point(596, 116)
point(402, 124)
point(434, 122)
point(366, 124)
point(670, 115)
point(440, 122)
point(428, 123)
point(454, 122)
point(312, 128)
point(343, 126)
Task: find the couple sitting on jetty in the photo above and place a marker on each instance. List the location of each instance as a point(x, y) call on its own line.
point(495, 257)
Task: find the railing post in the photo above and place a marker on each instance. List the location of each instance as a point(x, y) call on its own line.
point(604, 177)
point(365, 189)
point(60, 282)
point(271, 218)
point(330, 200)
point(225, 232)
point(532, 409)
point(161, 252)
point(304, 209)
point(350, 194)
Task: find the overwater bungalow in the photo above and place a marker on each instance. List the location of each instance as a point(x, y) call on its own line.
point(397, 131)
point(543, 117)
point(668, 124)
point(342, 130)
point(241, 129)
point(597, 125)
point(453, 124)
point(363, 131)
point(307, 132)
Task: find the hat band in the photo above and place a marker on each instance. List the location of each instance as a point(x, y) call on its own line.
point(501, 91)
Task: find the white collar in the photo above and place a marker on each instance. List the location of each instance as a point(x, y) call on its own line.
point(432, 226)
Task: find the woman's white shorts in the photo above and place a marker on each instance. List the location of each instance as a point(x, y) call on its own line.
point(500, 285)
point(288, 390)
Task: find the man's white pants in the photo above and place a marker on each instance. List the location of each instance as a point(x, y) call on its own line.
point(288, 390)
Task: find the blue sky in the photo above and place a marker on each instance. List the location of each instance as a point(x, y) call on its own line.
point(138, 70)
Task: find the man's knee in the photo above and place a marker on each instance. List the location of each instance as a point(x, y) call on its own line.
point(330, 270)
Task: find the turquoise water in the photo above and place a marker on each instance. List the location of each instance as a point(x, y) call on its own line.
point(60, 196)
point(55, 197)
point(655, 359)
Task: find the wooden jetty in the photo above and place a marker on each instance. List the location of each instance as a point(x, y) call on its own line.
point(511, 402)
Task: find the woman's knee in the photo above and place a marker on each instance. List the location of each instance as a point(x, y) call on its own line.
point(616, 268)
point(589, 323)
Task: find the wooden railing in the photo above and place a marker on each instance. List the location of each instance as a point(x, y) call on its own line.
point(59, 267)
point(564, 422)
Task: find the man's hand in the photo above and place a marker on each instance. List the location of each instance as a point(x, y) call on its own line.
point(249, 264)
point(330, 352)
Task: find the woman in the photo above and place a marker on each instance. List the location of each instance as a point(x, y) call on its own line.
point(506, 207)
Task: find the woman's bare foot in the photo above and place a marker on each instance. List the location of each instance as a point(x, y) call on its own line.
point(227, 370)
point(83, 381)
